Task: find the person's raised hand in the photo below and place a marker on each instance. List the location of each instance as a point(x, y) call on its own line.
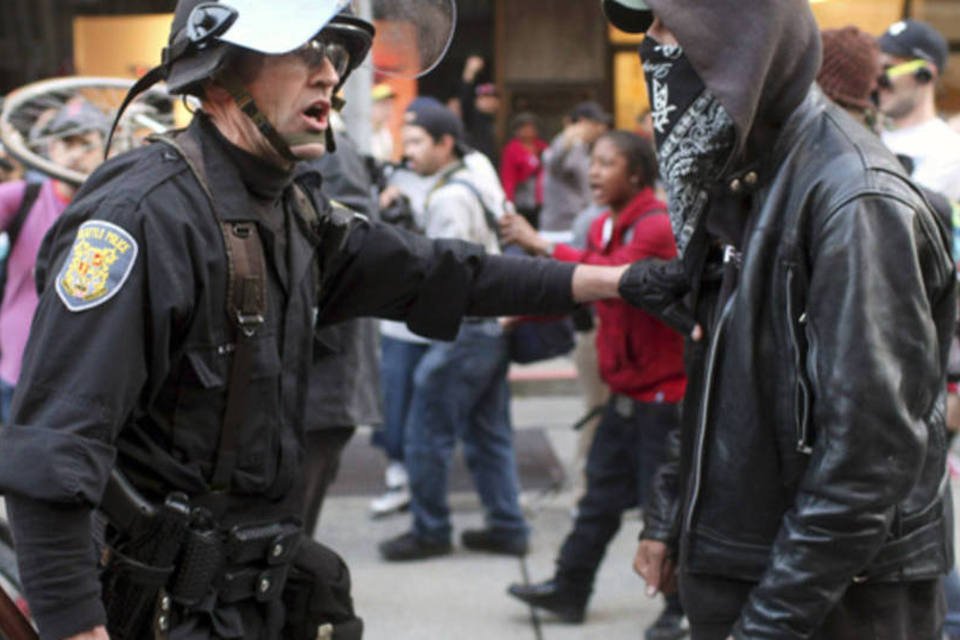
point(473, 66)
point(574, 132)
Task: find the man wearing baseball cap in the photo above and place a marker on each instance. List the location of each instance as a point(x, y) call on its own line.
point(459, 388)
point(914, 57)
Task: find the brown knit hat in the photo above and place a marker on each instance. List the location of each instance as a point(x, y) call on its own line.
point(851, 66)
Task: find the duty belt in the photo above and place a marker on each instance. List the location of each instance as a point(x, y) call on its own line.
point(246, 561)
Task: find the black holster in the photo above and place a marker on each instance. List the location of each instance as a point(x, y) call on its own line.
point(317, 597)
point(136, 567)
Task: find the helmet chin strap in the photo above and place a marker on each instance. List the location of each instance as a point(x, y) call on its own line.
point(297, 139)
point(281, 143)
point(245, 102)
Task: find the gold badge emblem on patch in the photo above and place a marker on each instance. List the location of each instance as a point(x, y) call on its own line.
point(100, 261)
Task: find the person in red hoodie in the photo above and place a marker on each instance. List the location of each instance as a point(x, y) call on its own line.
point(521, 169)
point(640, 358)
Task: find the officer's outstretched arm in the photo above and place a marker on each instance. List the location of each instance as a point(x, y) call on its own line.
point(592, 283)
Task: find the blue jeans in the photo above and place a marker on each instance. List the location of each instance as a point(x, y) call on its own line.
point(629, 446)
point(398, 361)
point(6, 399)
point(460, 391)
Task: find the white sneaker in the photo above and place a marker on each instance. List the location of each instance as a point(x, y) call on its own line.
point(391, 501)
point(396, 475)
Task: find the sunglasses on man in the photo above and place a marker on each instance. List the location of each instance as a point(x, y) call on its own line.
point(913, 67)
point(326, 46)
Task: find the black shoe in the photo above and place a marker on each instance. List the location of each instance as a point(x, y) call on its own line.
point(492, 541)
point(567, 604)
point(670, 625)
point(410, 546)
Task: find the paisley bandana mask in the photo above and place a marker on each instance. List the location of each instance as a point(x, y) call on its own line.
point(694, 133)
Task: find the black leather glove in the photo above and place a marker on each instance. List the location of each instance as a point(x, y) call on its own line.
point(658, 287)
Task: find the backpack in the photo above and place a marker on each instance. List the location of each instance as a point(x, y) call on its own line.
point(30, 196)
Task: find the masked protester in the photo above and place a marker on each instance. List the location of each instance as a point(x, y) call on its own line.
point(807, 496)
point(165, 376)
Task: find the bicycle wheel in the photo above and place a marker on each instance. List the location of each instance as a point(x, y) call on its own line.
point(27, 109)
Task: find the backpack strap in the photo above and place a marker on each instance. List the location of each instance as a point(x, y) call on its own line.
point(447, 178)
point(629, 232)
point(30, 195)
point(246, 309)
point(632, 229)
point(488, 215)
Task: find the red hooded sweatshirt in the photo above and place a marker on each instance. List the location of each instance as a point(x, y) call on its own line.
point(639, 356)
point(519, 164)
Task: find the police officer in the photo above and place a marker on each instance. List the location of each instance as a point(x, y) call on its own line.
point(181, 290)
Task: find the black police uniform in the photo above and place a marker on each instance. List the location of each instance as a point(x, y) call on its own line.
point(137, 376)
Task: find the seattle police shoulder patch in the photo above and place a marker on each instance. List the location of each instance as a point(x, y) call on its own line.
point(100, 262)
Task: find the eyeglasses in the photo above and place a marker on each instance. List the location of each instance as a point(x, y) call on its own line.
point(325, 47)
point(885, 81)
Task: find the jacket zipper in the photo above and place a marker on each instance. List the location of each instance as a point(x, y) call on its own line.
point(802, 398)
point(705, 404)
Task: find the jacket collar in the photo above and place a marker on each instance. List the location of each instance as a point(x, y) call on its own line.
point(224, 176)
point(748, 176)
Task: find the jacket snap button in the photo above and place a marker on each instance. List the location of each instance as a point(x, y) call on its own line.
point(735, 185)
point(751, 178)
point(277, 550)
point(163, 623)
point(165, 604)
point(264, 585)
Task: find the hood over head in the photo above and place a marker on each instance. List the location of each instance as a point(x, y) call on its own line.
point(758, 57)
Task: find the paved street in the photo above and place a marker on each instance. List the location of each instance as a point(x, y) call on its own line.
point(463, 596)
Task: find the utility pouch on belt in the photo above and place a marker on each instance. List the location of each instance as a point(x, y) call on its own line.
point(317, 597)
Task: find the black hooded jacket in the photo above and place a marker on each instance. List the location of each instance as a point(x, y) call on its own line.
point(813, 450)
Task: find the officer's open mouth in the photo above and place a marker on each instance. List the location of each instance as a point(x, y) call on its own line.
point(316, 115)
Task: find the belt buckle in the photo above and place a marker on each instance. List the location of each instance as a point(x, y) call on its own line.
point(623, 405)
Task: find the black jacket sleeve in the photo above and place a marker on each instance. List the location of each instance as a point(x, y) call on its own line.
point(432, 284)
point(83, 373)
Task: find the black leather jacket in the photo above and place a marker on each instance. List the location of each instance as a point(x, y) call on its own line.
point(816, 454)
